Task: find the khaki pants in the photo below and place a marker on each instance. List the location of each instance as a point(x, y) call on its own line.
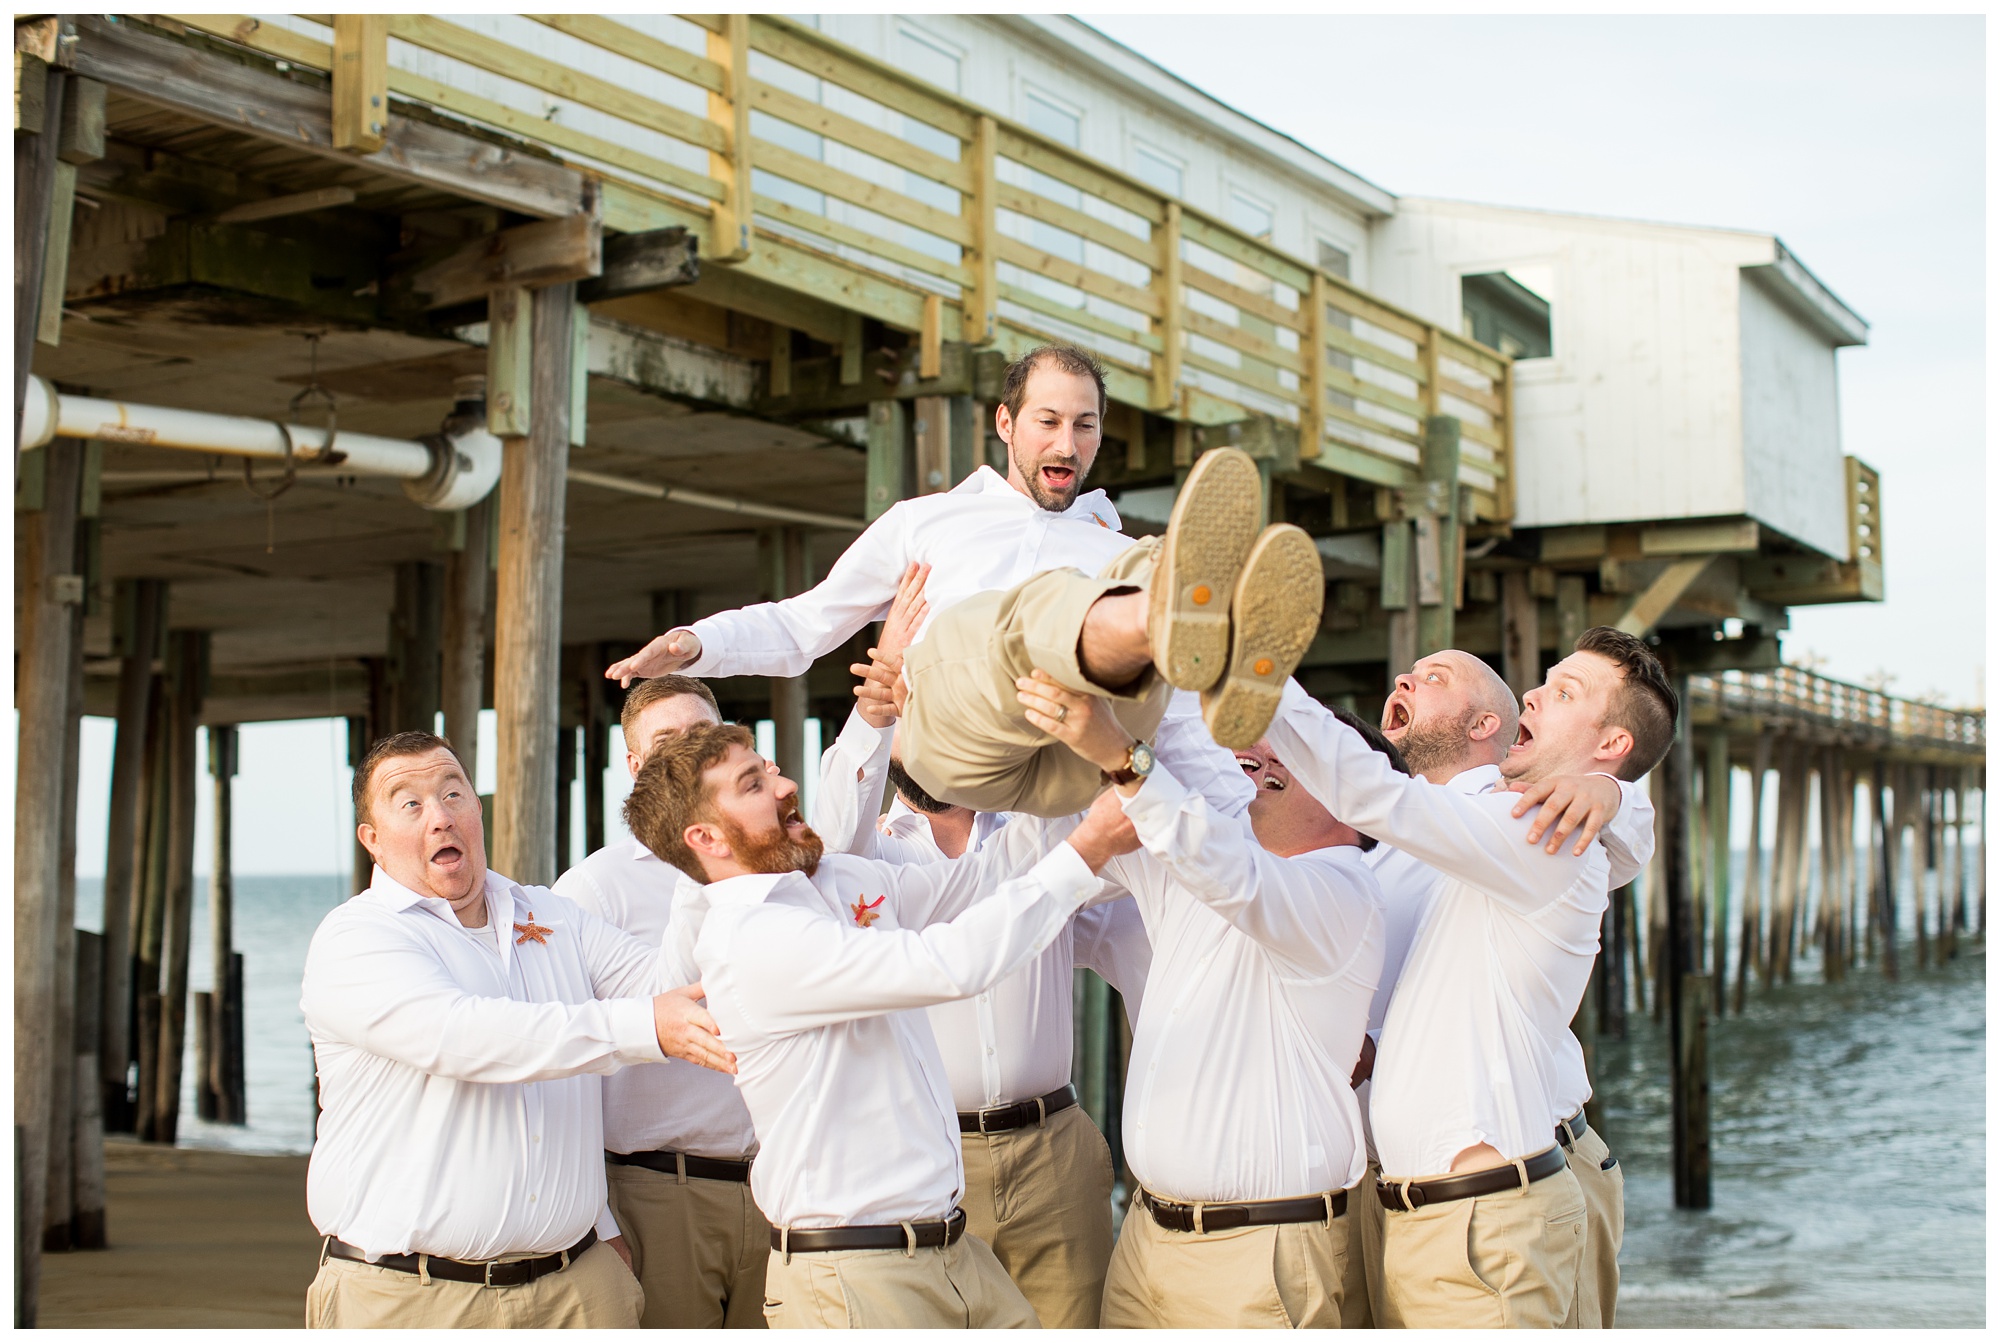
point(1255, 1277)
point(965, 738)
point(1041, 1197)
point(595, 1292)
point(1499, 1261)
point(1361, 1296)
point(698, 1248)
point(1604, 1232)
point(959, 1286)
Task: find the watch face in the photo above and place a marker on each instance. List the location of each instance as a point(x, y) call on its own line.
point(1142, 759)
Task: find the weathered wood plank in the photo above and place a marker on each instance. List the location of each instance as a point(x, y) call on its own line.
point(1033, 259)
point(1146, 251)
point(624, 40)
point(882, 144)
point(636, 263)
point(799, 46)
point(548, 251)
point(836, 232)
point(982, 306)
point(731, 235)
point(776, 159)
point(360, 84)
point(269, 106)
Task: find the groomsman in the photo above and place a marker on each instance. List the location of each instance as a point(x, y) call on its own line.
point(457, 1019)
point(677, 1139)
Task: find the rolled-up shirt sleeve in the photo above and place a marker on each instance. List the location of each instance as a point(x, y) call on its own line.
point(853, 773)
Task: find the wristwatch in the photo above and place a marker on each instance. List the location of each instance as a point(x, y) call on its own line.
point(1138, 764)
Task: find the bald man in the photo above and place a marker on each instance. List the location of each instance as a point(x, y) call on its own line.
point(1454, 719)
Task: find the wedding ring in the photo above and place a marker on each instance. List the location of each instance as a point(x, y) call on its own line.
point(1062, 712)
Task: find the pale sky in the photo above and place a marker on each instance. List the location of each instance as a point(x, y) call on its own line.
point(1859, 141)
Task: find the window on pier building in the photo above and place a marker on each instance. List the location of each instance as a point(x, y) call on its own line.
point(929, 58)
point(1253, 216)
point(1334, 260)
point(1048, 114)
point(1504, 314)
point(1157, 168)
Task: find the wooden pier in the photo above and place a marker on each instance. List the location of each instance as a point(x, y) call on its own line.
point(721, 289)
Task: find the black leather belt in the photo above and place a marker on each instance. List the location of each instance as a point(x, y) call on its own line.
point(1205, 1217)
point(1570, 1132)
point(1020, 1114)
point(511, 1273)
point(1450, 1188)
point(903, 1236)
point(685, 1166)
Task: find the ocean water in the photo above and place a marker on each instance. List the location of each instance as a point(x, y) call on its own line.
point(1849, 1158)
point(275, 920)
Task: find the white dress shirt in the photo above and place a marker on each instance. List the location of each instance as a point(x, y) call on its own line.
point(1409, 888)
point(1468, 1051)
point(680, 1106)
point(983, 536)
point(1016, 1040)
point(816, 983)
point(1262, 971)
point(460, 1114)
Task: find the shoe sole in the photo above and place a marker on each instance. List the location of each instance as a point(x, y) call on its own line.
point(1274, 613)
point(1209, 534)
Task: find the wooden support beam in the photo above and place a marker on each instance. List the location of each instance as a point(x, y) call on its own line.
point(965, 423)
point(930, 340)
point(786, 569)
point(187, 659)
point(86, 1221)
point(565, 758)
point(256, 101)
point(639, 263)
point(1520, 634)
point(1687, 1012)
point(850, 349)
point(888, 445)
point(360, 81)
point(527, 256)
point(35, 187)
point(729, 224)
point(55, 256)
point(284, 207)
point(982, 299)
point(63, 1031)
point(527, 653)
point(780, 382)
point(138, 624)
point(1572, 612)
point(597, 720)
point(467, 574)
point(416, 647)
point(224, 1064)
point(1661, 594)
point(509, 362)
point(1167, 285)
point(1715, 787)
point(1440, 537)
point(47, 630)
point(931, 429)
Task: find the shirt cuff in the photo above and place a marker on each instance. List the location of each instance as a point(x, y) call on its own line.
point(1065, 873)
point(1153, 809)
point(632, 1030)
point(861, 737)
point(607, 1225)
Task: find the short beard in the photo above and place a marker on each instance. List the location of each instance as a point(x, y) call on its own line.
point(913, 792)
point(1052, 503)
point(1436, 743)
point(774, 851)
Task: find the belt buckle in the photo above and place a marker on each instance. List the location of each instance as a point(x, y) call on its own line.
point(489, 1274)
point(983, 1130)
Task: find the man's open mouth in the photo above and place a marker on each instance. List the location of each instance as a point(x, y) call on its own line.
point(1522, 739)
point(1399, 716)
point(1058, 477)
point(448, 855)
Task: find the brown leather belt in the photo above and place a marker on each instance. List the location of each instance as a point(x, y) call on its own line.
point(1201, 1218)
point(902, 1236)
point(1002, 1118)
point(511, 1273)
point(1450, 1188)
point(685, 1166)
point(1570, 1132)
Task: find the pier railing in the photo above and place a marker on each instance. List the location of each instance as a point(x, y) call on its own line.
point(1867, 716)
point(817, 168)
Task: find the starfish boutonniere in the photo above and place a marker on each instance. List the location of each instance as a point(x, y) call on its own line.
point(532, 931)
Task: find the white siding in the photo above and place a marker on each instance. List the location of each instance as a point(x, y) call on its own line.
point(1641, 412)
point(1004, 66)
point(1796, 480)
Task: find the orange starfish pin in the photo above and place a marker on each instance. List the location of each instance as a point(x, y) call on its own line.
point(867, 911)
point(532, 931)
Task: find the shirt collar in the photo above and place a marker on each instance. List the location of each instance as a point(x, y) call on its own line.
point(1093, 506)
point(641, 854)
point(396, 897)
point(1478, 779)
point(751, 889)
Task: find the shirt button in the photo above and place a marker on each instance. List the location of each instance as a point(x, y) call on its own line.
point(989, 1051)
point(538, 1137)
point(531, 1197)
